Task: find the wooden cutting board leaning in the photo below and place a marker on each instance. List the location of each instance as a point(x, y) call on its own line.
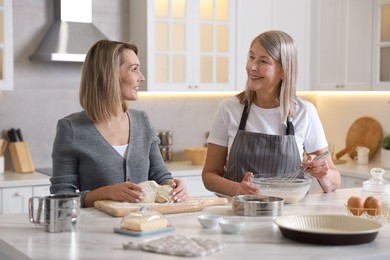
point(365, 131)
point(192, 204)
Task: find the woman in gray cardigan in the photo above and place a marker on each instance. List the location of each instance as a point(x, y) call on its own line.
point(103, 151)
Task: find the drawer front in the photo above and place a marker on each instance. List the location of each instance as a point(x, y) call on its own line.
point(41, 191)
point(195, 187)
point(15, 200)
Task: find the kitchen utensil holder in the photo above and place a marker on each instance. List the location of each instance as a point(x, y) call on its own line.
point(21, 157)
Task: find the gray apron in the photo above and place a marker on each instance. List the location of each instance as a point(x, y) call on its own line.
point(271, 155)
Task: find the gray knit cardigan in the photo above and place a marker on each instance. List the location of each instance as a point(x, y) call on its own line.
point(83, 160)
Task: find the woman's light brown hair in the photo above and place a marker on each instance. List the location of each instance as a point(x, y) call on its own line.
point(100, 93)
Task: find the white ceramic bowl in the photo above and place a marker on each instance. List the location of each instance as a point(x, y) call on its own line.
point(231, 226)
point(209, 220)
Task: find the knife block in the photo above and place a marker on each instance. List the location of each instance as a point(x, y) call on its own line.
point(21, 157)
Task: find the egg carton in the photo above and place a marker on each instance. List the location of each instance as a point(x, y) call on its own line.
point(371, 213)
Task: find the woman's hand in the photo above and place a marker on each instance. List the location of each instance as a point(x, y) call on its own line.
point(318, 169)
point(125, 191)
point(179, 190)
point(323, 170)
point(246, 188)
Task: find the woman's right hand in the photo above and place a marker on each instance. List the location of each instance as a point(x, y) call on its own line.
point(125, 192)
point(246, 188)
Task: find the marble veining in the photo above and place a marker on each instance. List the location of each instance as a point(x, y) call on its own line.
point(260, 237)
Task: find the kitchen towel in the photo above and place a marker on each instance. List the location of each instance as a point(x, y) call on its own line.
point(179, 245)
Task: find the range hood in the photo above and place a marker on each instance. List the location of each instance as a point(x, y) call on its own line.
point(71, 34)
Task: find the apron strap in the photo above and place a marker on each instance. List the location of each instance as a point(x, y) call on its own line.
point(244, 117)
point(290, 128)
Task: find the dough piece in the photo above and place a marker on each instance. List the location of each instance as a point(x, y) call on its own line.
point(145, 223)
point(164, 194)
point(150, 191)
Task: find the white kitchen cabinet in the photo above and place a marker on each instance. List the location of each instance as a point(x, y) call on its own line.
point(15, 200)
point(41, 191)
point(6, 46)
point(381, 46)
point(17, 188)
point(291, 16)
point(342, 44)
point(185, 45)
point(192, 177)
point(195, 186)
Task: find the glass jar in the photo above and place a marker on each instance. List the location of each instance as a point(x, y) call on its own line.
point(377, 186)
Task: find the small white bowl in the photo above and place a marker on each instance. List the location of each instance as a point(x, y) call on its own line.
point(231, 226)
point(209, 221)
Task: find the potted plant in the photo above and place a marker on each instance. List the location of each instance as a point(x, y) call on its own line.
point(385, 151)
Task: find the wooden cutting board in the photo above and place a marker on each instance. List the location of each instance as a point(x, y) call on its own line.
point(365, 131)
point(192, 204)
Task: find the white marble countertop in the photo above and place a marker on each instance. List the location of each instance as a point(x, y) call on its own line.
point(14, 179)
point(352, 169)
point(260, 237)
point(181, 169)
point(184, 168)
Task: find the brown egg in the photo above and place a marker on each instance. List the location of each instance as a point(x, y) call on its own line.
point(372, 206)
point(355, 205)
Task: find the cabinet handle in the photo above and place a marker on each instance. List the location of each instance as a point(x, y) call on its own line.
point(17, 195)
point(339, 86)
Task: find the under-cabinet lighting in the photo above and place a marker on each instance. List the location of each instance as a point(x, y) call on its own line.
point(232, 93)
point(350, 93)
point(186, 94)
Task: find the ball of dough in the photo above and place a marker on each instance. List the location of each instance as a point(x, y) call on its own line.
point(149, 191)
point(164, 194)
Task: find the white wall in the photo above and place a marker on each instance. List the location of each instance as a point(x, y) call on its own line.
point(339, 111)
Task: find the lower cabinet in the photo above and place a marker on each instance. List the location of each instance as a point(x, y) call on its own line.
point(15, 199)
point(195, 186)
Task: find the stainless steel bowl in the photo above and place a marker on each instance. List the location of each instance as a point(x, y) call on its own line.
point(257, 205)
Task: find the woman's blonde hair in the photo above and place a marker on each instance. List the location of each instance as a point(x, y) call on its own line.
point(100, 92)
point(281, 47)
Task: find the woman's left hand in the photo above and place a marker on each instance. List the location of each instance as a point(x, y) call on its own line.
point(318, 169)
point(323, 170)
point(179, 190)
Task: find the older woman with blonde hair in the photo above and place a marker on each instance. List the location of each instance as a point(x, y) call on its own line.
point(266, 129)
point(106, 150)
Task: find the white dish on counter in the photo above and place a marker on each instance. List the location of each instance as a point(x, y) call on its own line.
point(231, 226)
point(328, 229)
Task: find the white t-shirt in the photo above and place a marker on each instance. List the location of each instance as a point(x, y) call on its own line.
point(121, 149)
point(309, 133)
